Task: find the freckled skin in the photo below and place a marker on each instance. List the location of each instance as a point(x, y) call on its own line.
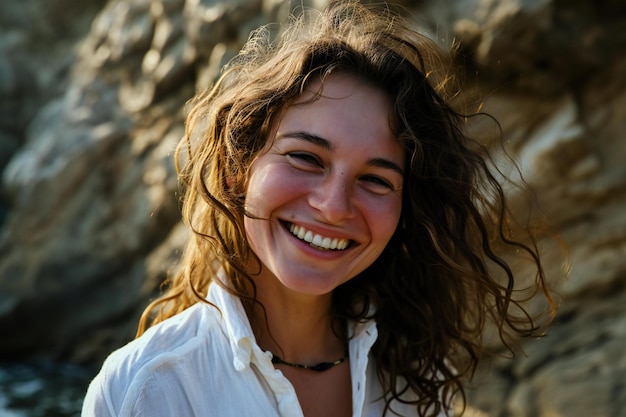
point(319, 175)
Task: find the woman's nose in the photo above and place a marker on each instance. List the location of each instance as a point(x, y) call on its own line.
point(332, 198)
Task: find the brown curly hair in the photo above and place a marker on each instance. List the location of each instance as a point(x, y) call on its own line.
point(440, 278)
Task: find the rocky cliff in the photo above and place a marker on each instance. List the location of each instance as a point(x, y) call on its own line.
point(92, 99)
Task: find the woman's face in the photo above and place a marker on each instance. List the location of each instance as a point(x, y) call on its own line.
point(327, 194)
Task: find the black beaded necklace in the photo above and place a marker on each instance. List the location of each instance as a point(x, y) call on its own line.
point(320, 367)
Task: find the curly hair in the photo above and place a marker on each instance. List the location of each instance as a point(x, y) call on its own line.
point(440, 279)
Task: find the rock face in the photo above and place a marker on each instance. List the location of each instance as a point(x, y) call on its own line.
point(93, 104)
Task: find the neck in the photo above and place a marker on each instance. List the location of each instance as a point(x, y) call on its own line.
point(299, 328)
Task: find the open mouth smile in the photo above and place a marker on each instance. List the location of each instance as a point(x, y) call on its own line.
point(318, 241)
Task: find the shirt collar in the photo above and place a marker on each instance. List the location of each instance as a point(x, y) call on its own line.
point(364, 333)
point(235, 322)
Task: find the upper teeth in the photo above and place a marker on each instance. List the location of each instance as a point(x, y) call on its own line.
point(318, 240)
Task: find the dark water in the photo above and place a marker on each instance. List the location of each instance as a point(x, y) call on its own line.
point(42, 389)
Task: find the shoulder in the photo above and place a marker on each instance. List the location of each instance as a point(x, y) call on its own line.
point(170, 337)
point(174, 341)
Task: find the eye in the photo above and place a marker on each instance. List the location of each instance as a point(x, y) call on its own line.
point(377, 184)
point(303, 159)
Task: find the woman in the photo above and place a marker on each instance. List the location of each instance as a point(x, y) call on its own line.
point(343, 257)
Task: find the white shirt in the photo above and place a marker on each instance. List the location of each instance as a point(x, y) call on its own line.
point(201, 364)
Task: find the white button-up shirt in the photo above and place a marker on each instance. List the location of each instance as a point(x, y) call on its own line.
point(203, 364)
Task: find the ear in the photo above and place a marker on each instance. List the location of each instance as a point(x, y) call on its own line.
point(235, 186)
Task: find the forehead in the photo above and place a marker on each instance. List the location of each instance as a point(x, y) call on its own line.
point(345, 111)
point(342, 97)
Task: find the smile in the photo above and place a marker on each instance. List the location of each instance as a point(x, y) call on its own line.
point(318, 241)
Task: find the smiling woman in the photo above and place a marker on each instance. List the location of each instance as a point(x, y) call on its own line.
point(344, 258)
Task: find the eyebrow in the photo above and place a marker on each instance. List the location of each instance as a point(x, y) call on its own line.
point(309, 137)
point(385, 163)
point(326, 144)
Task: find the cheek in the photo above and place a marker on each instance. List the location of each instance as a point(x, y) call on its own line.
point(384, 221)
point(270, 187)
